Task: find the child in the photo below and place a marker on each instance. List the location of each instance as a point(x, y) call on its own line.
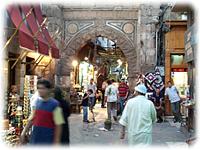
point(91, 104)
point(85, 106)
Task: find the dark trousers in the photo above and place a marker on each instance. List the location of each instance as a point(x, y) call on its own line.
point(103, 101)
point(111, 109)
point(176, 111)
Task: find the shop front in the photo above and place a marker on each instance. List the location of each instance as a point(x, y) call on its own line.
point(176, 70)
point(29, 53)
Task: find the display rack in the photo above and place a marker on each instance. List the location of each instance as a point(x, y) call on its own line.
point(30, 87)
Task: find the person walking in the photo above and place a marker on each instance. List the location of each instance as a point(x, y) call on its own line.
point(123, 94)
point(85, 106)
point(111, 96)
point(92, 86)
point(138, 116)
point(172, 93)
point(46, 119)
point(65, 105)
point(157, 100)
point(103, 88)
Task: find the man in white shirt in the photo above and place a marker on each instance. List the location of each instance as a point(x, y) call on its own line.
point(111, 96)
point(138, 116)
point(92, 86)
point(174, 98)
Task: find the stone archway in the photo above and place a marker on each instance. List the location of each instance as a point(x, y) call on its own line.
point(126, 45)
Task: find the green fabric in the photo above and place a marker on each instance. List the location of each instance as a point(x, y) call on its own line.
point(138, 116)
point(58, 116)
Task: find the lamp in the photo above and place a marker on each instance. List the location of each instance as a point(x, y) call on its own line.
point(74, 63)
point(119, 62)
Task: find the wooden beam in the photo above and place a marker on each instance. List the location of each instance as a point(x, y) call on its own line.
point(11, 59)
point(27, 63)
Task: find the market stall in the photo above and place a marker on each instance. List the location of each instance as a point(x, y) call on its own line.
point(30, 53)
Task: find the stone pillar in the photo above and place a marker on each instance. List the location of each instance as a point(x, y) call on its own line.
point(146, 38)
point(55, 17)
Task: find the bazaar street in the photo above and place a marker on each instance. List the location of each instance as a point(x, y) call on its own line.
point(99, 73)
point(163, 133)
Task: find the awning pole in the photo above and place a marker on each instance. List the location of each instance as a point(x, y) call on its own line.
point(40, 27)
point(37, 63)
point(16, 30)
point(37, 59)
point(21, 57)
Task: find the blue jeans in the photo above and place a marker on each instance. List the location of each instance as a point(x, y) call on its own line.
point(121, 101)
point(85, 113)
point(176, 110)
point(91, 102)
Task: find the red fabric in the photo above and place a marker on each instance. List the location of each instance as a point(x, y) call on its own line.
point(54, 49)
point(55, 53)
point(43, 47)
point(25, 37)
point(43, 119)
point(123, 89)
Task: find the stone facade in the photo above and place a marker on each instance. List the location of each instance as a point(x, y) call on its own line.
point(147, 37)
point(131, 28)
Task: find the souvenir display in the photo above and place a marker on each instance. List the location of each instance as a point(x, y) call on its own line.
point(11, 137)
point(30, 86)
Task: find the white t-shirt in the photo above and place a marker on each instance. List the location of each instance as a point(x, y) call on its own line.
point(111, 93)
point(172, 94)
point(34, 99)
point(93, 87)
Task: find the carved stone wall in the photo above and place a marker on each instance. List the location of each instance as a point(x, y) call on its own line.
point(79, 30)
point(131, 29)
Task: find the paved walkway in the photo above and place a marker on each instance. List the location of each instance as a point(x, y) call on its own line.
point(166, 134)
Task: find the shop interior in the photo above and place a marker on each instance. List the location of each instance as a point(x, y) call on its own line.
point(100, 60)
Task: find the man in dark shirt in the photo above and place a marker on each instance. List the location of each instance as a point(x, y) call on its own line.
point(86, 105)
point(157, 100)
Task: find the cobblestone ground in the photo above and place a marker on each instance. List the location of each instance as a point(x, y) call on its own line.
point(165, 134)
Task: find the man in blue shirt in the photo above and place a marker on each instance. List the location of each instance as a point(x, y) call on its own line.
point(174, 98)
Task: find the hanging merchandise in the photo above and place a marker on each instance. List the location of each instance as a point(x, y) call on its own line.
point(10, 137)
point(30, 87)
point(12, 109)
point(154, 80)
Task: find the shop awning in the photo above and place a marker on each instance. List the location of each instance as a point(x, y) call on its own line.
point(43, 47)
point(25, 37)
point(54, 49)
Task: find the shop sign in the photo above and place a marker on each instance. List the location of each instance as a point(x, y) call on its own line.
point(179, 70)
point(190, 42)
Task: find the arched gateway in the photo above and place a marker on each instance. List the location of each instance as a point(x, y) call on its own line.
point(64, 66)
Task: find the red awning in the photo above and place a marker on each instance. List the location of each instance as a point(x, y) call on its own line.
point(43, 47)
point(25, 37)
point(54, 49)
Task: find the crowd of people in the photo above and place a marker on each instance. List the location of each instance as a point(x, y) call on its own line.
point(48, 122)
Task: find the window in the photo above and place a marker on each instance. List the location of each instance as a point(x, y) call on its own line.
point(177, 59)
